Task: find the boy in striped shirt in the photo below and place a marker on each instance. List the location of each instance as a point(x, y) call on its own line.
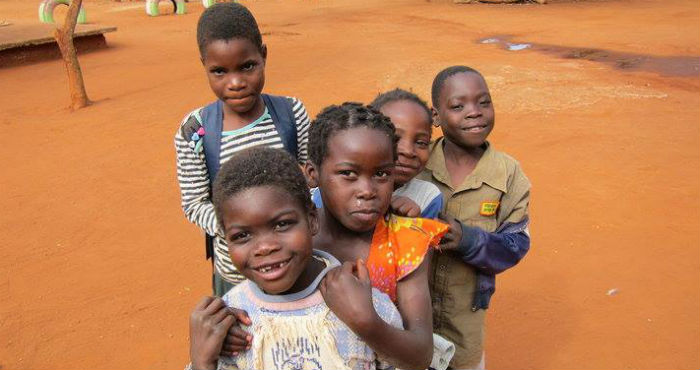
point(233, 56)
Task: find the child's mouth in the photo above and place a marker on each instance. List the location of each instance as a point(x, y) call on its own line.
point(238, 100)
point(475, 128)
point(272, 267)
point(272, 271)
point(405, 167)
point(366, 216)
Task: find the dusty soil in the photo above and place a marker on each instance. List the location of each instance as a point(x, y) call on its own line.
point(99, 269)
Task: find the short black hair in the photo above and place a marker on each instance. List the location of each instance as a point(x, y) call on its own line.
point(400, 95)
point(446, 73)
point(336, 118)
point(260, 166)
point(227, 21)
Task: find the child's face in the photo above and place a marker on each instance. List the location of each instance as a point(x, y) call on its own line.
point(465, 112)
point(356, 177)
point(413, 129)
point(269, 237)
point(236, 72)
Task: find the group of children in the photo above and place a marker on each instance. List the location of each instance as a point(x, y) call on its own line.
point(349, 242)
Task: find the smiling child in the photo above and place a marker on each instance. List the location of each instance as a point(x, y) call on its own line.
point(486, 198)
point(268, 220)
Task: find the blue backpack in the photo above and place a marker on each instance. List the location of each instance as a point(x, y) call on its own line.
point(280, 109)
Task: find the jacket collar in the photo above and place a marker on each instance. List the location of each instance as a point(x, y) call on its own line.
point(490, 170)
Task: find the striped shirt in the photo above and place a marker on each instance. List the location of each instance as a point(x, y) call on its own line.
point(193, 176)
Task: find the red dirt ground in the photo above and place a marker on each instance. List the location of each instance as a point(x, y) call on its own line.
point(99, 268)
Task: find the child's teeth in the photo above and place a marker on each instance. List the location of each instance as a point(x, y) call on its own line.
point(275, 266)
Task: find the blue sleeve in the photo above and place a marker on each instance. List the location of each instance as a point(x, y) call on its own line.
point(433, 208)
point(492, 253)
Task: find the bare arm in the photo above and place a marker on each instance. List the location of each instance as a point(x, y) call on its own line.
point(209, 323)
point(350, 299)
point(411, 348)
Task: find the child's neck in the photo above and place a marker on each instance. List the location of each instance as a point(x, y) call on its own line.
point(341, 242)
point(461, 161)
point(313, 268)
point(233, 120)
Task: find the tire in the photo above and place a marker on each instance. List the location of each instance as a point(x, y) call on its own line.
point(46, 8)
point(152, 7)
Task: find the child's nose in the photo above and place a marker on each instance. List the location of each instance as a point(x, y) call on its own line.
point(236, 82)
point(366, 189)
point(405, 148)
point(472, 110)
point(266, 246)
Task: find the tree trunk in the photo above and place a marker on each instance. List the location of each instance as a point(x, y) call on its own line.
point(64, 38)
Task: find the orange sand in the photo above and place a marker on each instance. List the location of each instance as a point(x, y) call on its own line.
point(99, 268)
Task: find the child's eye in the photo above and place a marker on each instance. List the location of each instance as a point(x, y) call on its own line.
point(485, 103)
point(248, 66)
point(346, 173)
point(239, 237)
point(383, 174)
point(422, 143)
point(218, 71)
point(457, 107)
point(284, 225)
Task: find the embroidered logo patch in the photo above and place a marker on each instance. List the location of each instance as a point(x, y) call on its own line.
point(488, 208)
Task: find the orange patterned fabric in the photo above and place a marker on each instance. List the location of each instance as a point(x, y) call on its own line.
point(399, 245)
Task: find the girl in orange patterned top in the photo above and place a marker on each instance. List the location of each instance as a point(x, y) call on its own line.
point(352, 150)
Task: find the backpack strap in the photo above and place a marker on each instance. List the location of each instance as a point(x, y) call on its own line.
point(211, 118)
point(281, 111)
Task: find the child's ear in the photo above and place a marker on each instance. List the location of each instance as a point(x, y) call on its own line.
point(314, 224)
point(263, 51)
point(311, 174)
point(436, 119)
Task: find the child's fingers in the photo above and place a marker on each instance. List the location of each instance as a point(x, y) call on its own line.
point(407, 210)
point(347, 268)
point(227, 322)
point(237, 333)
point(446, 218)
point(331, 276)
point(214, 306)
point(322, 285)
point(240, 315)
point(203, 303)
point(446, 238)
point(238, 343)
point(222, 315)
point(330, 280)
point(362, 272)
point(232, 350)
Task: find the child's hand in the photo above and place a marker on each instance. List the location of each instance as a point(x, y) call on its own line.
point(237, 339)
point(209, 323)
point(404, 206)
point(450, 241)
point(349, 296)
